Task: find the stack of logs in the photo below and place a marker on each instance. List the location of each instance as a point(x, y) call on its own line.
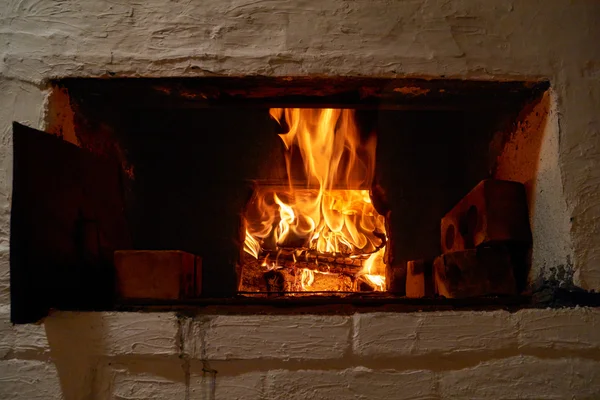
point(328, 272)
point(485, 240)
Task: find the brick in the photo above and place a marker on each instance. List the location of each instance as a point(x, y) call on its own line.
point(569, 329)
point(146, 386)
point(192, 330)
point(31, 338)
point(141, 379)
point(277, 337)
point(354, 383)
point(391, 335)
point(18, 339)
point(79, 333)
point(239, 386)
point(115, 333)
point(385, 334)
point(494, 211)
point(474, 273)
point(142, 333)
point(4, 276)
point(162, 275)
point(419, 279)
point(460, 331)
point(524, 377)
point(7, 334)
point(28, 380)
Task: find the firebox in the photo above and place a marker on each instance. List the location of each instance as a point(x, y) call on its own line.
point(320, 231)
point(283, 187)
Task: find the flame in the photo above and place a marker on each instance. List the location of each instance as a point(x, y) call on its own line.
point(286, 213)
point(307, 279)
point(371, 266)
point(332, 212)
point(251, 245)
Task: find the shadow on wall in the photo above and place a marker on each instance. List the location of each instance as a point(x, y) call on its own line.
point(75, 340)
point(116, 355)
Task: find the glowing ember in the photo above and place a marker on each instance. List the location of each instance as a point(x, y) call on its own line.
point(319, 225)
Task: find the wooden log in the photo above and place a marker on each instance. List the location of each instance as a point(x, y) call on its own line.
point(252, 275)
point(311, 255)
point(257, 278)
point(494, 211)
point(288, 259)
point(419, 279)
point(274, 281)
point(323, 267)
point(157, 274)
point(474, 272)
point(362, 284)
point(322, 282)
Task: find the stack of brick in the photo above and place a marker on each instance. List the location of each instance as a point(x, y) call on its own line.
point(485, 239)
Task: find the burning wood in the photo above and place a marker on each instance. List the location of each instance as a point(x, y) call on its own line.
point(274, 281)
point(303, 277)
point(327, 233)
point(334, 266)
point(314, 256)
point(286, 257)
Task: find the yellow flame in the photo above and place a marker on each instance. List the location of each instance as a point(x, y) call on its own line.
point(287, 216)
point(333, 212)
point(251, 245)
point(307, 278)
point(373, 265)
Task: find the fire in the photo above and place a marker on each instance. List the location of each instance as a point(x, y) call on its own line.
point(251, 245)
point(330, 217)
point(307, 278)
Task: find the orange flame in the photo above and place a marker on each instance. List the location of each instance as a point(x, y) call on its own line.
point(307, 278)
point(333, 213)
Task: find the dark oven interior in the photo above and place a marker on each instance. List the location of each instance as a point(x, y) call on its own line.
point(195, 154)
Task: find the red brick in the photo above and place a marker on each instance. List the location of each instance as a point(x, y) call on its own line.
point(419, 279)
point(494, 211)
point(472, 273)
point(164, 275)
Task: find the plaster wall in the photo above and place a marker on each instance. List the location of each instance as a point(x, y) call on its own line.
point(537, 354)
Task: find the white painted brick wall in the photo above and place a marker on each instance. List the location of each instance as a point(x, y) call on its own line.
point(392, 334)
point(304, 337)
point(225, 386)
point(29, 380)
point(27, 340)
point(372, 355)
point(128, 333)
point(7, 334)
point(141, 379)
point(576, 329)
point(354, 383)
point(4, 276)
point(141, 333)
point(524, 377)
